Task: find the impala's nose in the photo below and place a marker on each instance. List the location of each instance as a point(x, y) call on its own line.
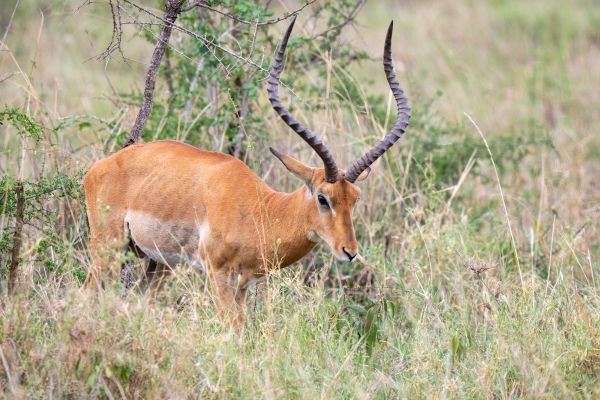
point(350, 256)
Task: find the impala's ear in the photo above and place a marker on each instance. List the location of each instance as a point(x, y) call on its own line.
point(363, 175)
point(297, 169)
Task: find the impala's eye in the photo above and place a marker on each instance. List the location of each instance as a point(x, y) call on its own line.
point(322, 201)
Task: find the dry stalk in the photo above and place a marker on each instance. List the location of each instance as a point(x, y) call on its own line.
point(18, 240)
point(512, 237)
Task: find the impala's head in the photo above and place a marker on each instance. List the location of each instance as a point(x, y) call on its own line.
point(332, 190)
point(330, 205)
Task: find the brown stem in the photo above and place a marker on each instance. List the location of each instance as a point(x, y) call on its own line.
point(18, 241)
point(173, 8)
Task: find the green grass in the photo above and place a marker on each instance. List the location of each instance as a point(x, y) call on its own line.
point(526, 72)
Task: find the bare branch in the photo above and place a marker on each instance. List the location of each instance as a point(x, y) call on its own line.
point(117, 35)
point(143, 26)
point(85, 3)
point(348, 20)
point(189, 7)
point(241, 21)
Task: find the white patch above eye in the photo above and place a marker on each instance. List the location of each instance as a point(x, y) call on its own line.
point(313, 237)
point(308, 193)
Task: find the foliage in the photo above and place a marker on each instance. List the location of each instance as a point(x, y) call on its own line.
point(214, 94)
point(25, 127)
point(42, 196)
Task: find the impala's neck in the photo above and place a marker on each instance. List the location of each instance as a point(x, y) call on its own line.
point(292, 219)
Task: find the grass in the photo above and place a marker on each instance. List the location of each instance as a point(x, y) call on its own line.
point(444, 328)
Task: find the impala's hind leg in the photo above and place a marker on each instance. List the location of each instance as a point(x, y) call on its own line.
point(157, 274)
point(106, 243)
point(128, 278)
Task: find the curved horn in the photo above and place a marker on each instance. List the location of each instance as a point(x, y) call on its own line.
point(331, 170)
point(401, 123)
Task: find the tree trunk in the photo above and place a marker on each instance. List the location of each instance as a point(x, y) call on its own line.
point(173, 8)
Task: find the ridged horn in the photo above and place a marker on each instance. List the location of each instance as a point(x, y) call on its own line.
point(401, 123)
point(331, 170)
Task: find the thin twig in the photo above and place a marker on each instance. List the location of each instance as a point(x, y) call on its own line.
point(8, 77)
point(241, 21)
point(121, 103)
point(349, 19)
point(9, 23)
point(117, 33)
point(85, 3)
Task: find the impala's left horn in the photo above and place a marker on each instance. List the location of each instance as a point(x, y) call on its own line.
point(331, 169)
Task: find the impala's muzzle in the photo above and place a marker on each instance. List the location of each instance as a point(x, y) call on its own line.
point(351, 256)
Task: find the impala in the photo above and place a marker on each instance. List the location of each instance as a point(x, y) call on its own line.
point(174, 203)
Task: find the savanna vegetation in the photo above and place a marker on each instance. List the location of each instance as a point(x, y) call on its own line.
point(478, 229)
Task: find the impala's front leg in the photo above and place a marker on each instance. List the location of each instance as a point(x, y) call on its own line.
point(229, 298)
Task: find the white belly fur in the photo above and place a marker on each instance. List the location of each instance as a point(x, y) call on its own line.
point(172, 260)
point(168, 242)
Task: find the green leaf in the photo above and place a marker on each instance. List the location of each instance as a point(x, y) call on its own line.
point(371, 339)
point(358, 309)
point(369, 320)
point(455, 344)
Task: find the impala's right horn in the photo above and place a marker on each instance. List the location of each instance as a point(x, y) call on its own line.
point(331, 169)
point(401, 123)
